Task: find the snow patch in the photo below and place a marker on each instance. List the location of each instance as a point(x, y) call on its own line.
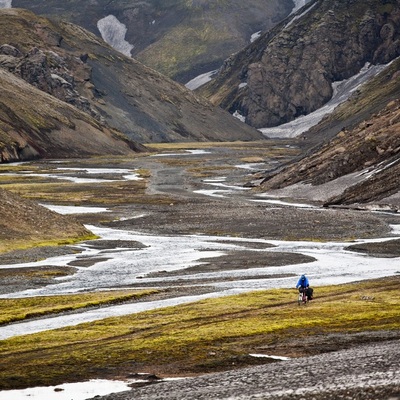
point(371, 172)
point(66, 210)
point(68, 391)
point(281, 358)
point(5, 3)
point(127, 175)
point(285, 203)
point(186, 153)
point(239, 116)
point(298, 4)
point(255, 36)
point(113, 32)
point(296, 17)
point(200, 80)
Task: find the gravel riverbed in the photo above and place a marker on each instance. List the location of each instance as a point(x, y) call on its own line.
point(361, 367)
point(367, 372)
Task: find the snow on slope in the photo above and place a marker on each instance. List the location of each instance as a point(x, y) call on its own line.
point(342, 91)
point(113, 32)
point(298, 4)
point(5, 3)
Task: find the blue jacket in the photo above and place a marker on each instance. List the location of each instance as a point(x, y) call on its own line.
point(303, 282)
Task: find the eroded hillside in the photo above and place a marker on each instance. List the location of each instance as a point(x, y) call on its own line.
point(78, 68)
point(34, 124)
point(25, 224)
point(366, 152)
point(288, 72)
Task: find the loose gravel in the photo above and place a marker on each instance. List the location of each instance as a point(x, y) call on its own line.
point(367, 372)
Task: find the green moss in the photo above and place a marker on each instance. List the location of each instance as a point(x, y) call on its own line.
point(28, 243)
point(386, 8)
point(183, 336)
point(12, 310)
point(177, 50)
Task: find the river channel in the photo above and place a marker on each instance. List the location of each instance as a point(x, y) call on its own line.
point(159, 258)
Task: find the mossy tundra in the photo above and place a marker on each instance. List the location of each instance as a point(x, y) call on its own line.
point(209, 335)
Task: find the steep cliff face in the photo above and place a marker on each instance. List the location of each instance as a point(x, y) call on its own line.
point(181, 39)
point(365, 151)
point(289, 71)
point(78, 68)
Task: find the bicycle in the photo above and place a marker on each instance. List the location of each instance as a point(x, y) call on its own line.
point(302, 296)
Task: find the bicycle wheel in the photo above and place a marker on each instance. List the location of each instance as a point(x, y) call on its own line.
point(300, 298)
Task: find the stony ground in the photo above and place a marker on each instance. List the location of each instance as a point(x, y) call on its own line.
point(368, 372)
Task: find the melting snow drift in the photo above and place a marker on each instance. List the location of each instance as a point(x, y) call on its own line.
point(113, 32)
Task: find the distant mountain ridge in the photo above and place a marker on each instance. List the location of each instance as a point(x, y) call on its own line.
point(180, 39)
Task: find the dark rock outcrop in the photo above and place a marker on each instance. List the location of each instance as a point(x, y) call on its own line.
point(367, 148)
point(50, 72)
point(289, 71)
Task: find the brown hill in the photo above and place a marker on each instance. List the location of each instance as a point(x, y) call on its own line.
point(77, 67)
point(179, 38)
point(25, 224)
point(34, 124)
point(363, 158)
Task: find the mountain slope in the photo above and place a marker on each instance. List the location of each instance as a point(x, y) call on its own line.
point(363, 159)
point(289, 71)
point(25, 224)
point(79, 68)
point(34, 124)
point(178, 38)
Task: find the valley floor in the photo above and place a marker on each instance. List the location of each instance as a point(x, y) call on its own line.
point(202, 193)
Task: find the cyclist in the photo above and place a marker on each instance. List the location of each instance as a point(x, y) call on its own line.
point(303, 284)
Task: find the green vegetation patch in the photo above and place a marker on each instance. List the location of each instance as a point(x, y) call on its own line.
point(198, 337)
point(171, 54)
point(78, 194)
point(12, 310)
point(12, 244)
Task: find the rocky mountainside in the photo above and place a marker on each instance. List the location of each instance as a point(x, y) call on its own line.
point(289, 71)
point(77, 67)
point(181, 39)
point(363, 159)
point(34, 124)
